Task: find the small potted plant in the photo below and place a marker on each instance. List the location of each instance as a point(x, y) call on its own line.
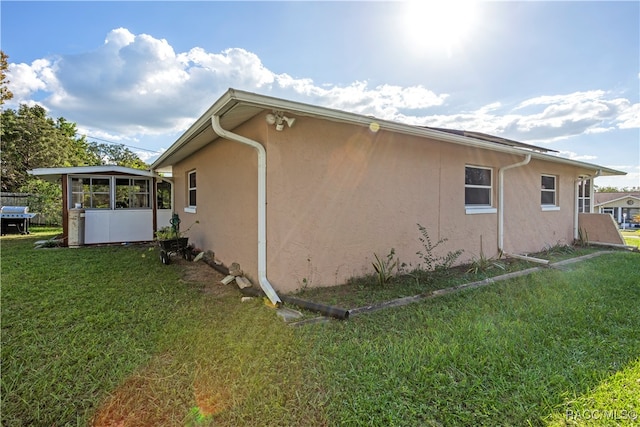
point(167, 233)
point(172, 240)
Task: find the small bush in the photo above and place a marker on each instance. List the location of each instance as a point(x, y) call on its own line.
point(558, 249)
point(433, 262)
point(385, 267)
point(482, 263)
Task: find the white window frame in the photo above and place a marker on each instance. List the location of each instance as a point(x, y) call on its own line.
point(89, 192)
point(191, 208)
point(549, 206)
point(585, 192)
point(471, 209)
point(132, 193)
point(159, 195)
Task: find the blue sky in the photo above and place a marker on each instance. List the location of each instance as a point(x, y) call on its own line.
point(564, 75)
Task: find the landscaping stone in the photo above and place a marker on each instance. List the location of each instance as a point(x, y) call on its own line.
point(235, 269)
point(227, 279)
point(243, 282)
point(288, 314)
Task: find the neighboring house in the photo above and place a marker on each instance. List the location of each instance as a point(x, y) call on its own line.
point(119, 204)
point(302, 195)
point(622, 206)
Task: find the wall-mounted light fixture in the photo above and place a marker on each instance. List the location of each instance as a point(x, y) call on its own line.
point(279, 119)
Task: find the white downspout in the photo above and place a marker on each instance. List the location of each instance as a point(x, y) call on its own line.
point(592, 190)
point(576, 192)
point(501, 199)
point(262, 205)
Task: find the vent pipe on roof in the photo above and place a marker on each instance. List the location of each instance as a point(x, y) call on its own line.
point(262, 205)
point(501, 171)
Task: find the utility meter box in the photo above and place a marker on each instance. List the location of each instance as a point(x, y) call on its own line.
point(76, 228)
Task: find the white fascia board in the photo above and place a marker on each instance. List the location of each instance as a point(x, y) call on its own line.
point(233, 97)
point(90, 170)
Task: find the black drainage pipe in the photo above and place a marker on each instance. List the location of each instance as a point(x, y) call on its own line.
point(327, 310)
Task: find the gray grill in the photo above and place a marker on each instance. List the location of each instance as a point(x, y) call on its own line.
point(15, 218)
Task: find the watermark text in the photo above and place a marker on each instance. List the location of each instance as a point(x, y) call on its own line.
point(601, 414)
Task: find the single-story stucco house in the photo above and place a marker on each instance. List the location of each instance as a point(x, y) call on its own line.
point(299, 194)
point(623, 207)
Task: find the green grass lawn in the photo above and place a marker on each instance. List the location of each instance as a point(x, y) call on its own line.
point(364, 291)
point(110, 336)
point(631, 237)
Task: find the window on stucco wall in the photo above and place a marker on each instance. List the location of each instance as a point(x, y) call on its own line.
point(191, 193)
point(478, 190)
point(584, 196)
point(477, 186)
point(548, 192)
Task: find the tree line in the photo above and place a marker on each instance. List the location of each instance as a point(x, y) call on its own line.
point(30, 139)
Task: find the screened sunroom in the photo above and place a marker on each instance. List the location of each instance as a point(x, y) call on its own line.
point(118, 204)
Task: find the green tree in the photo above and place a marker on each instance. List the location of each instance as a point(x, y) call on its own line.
point(29, 139)
point(607, 189)
point(116, 154)
point(610, 189)
point(5, 93)
point(79, 152)
point(46, 199)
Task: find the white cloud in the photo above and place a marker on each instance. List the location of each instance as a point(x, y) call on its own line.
point(138, 85)
point(551, 118)
point(575, 156)
point(384, 101)
point(630, 118)
point(572, 98)
point(547, 118)
point(630, 180)
point(26, 79)
point(148, 157)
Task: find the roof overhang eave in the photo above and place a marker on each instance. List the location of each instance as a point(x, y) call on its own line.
point(164, 161)
point(234, 98)
point(53, 174)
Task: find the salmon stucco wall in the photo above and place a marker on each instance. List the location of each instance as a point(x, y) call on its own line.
point(600, 228)
point(339, 193)
point(528, 227)
point(226, 174)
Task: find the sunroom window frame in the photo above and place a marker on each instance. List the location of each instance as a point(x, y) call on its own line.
point(91, 193)
point(112, 179)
